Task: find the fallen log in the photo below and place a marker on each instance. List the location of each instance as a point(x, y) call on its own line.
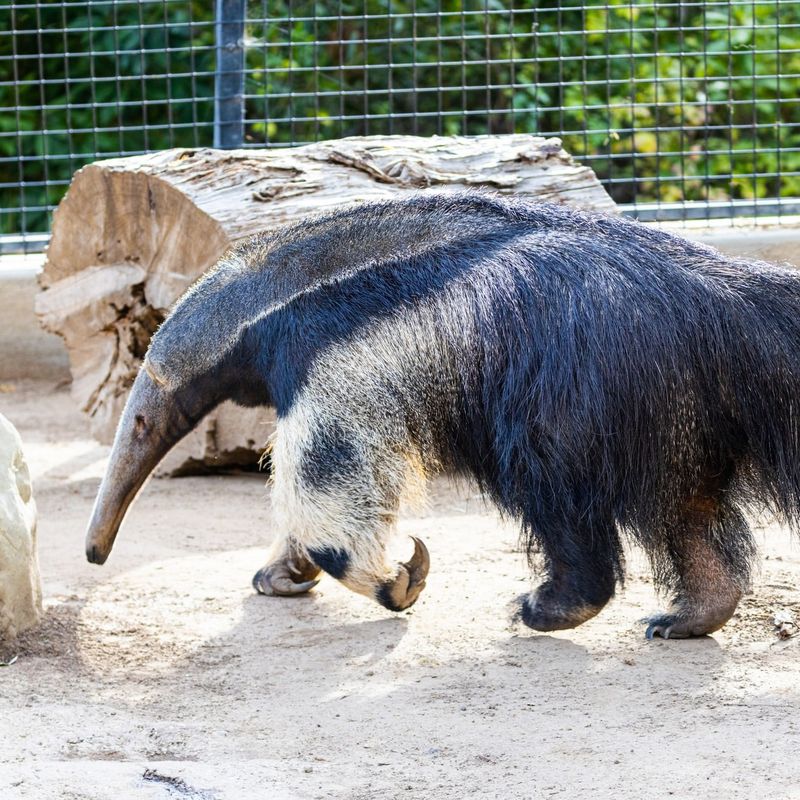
point(131, 235)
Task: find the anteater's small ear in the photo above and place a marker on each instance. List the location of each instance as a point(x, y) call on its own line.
point(156, 376)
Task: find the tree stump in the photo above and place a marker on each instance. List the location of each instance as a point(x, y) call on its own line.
point(131, 234)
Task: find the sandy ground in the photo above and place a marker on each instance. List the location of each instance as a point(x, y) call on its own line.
point(161, 675)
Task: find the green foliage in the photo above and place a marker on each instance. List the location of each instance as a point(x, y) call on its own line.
point(81, 81)
point(668, 102)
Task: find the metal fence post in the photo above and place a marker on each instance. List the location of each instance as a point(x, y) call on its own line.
point(229, 75)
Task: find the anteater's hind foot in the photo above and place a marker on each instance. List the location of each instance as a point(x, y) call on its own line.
point(708, 553)
point(548, 609)
point(685, 618)
point(706, 600)
point(571, 595)
point(580, 579)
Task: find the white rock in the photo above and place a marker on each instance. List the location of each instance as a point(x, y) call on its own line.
point(20, 587)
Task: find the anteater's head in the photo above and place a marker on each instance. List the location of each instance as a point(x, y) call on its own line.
point(196, 360)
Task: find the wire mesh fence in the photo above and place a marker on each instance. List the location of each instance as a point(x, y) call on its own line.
point(683, 108)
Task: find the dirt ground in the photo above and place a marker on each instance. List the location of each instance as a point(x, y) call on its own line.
point(162, 675)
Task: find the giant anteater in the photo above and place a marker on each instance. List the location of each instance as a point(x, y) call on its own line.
point(593, 376)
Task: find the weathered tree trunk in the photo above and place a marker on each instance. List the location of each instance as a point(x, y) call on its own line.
point(132, 233)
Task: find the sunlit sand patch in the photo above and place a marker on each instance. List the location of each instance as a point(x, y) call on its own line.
point(66, 459)
point(160, 613)
point(155, 617)
point(364, 690)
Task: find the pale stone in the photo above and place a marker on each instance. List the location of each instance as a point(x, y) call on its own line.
point(20, 587)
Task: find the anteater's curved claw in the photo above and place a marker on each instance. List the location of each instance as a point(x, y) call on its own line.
point(403, 590)
point(419, 563)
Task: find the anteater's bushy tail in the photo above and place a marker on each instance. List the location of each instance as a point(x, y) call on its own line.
point(760, 330)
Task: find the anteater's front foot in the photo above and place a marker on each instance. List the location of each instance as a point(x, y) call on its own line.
point(683, 621)
point(286, 577)
point(551, 608)
point(402, 591)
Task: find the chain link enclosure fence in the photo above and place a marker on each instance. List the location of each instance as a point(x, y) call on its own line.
point(684, 109)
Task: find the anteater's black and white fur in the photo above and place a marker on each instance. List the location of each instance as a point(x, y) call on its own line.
point(595, 378)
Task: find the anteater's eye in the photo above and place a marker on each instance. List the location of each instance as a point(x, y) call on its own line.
point(141, 424)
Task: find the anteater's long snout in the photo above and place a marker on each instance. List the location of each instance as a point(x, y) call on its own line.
point(109, 511)
point(151, 424)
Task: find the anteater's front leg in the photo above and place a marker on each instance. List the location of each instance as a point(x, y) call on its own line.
point(336, 491)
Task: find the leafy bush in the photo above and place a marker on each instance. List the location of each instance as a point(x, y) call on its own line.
point(667, 102)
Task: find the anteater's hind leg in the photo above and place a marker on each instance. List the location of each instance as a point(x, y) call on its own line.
point(582, 562)
point(708, 556)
